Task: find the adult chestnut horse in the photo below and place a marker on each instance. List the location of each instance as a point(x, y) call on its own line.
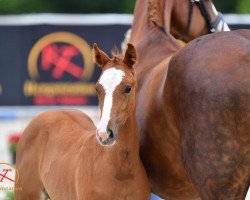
point(209, 97)
point(64, 153)
point(163, 125)
point(184, 19)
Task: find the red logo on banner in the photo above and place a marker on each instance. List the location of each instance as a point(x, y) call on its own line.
point(60, 66)
point(59, 58)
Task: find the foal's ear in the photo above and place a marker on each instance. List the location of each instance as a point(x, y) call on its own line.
point(130, 55)
point(100, 57)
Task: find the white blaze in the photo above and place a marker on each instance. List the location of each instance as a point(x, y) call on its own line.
point(109, 80)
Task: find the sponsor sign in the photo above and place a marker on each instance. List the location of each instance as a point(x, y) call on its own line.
point(46, 59)
point(52, 64)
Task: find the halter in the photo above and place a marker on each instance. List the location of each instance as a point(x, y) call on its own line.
point(216, 26)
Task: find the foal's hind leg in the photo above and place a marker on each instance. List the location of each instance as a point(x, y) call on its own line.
point(28, 161)
point(31, 187)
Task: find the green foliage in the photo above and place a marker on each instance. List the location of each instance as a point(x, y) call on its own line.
point(225, 6)
point(23, 6)
point(233, 6)
point(99, 6)
point(10, 195)
point(12, 148)
point(243, 7)
point(66, 6)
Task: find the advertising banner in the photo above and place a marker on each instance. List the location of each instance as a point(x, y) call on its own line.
point(46, 59)
point(52, 64)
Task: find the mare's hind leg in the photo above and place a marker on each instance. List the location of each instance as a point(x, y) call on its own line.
point(217, 181)
point(215, 142)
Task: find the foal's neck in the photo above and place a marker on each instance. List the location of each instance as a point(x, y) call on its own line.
point(128, 133)
point(128, 139)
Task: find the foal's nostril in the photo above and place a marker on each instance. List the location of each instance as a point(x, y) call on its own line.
point(110, 133)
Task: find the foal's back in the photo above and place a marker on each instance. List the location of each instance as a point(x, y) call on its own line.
point(66, 125)
point(49, 141)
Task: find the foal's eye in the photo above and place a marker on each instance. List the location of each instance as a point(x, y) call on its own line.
point(127, 89)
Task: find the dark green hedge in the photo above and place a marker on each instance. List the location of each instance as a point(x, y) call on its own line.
point(99, 6)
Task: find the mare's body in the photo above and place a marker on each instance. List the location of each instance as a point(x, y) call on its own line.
point(210, 96)
point(181, 124)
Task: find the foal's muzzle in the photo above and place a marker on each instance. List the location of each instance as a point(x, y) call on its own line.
point(106, 138)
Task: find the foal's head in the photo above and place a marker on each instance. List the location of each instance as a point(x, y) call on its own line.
point(116, 90)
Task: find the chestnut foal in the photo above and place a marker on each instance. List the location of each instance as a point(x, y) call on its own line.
point(63, 153)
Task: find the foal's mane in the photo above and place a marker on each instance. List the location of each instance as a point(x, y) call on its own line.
point(156, 12)
point(117, 57)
